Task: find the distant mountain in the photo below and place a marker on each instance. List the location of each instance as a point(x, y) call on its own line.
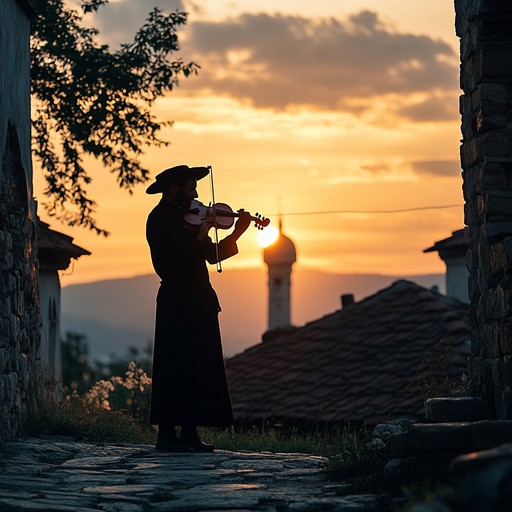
point(119, 313)
point(105, 340)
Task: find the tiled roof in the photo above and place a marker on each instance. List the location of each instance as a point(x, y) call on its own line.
point(357, 364)
point(56, 249)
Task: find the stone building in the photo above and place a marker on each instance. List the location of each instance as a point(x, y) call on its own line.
point(20, 380)
point(55, 252)
point(483, 27)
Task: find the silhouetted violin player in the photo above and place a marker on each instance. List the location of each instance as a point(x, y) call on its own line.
point(189, 379)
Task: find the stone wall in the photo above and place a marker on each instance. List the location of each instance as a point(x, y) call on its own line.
point(484, 28)
point(20, 382)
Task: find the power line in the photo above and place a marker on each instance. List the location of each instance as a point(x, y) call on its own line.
point(401, 210)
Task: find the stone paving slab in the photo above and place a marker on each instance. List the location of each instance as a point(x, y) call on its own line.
point(59, 474)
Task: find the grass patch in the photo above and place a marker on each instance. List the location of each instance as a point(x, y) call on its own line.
point(276, 440)
point(84, 421)
point(360, 464)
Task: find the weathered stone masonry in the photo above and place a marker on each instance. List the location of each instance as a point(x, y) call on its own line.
point(20, 382)
point(484, 28)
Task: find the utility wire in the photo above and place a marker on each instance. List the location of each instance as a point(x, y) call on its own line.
point(402, 210)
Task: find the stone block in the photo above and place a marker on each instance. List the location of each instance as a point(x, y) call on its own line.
point(480, 461)
point(503, 399)
point(469, 154)
point(494, 97)
point(8, 262)
point(494, 178)
point(497, 260)
point(494, 146)
point(490, 123)
point(398, 445)
point(498, 203)
point(466, 112)
point(8, 241)
point(465, 12)
point(400, 470)
point(496, 305)
point(507, 370)
point(489, 434)
point(468, 213)
point(440, 436)
point(439, 410)
point(500, 333)
point(480, 377)
point(481, 202)
point(4, 361)
point(471, 64)
point(506, 336)
point(496, 61)
point(497, 372)
point(436, 465)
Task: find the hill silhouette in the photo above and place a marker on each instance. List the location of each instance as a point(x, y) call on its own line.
point(118, 313)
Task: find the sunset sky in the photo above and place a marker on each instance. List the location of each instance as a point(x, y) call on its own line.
point(301, 107)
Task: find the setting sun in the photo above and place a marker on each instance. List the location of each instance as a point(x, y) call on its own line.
point(267, 236)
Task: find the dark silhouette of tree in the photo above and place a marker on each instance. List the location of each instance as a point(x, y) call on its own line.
point(80, 373)
point(77, 372)
point(91, 100)
point(117, 365)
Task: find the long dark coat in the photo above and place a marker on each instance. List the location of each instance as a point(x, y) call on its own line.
point(189, 378)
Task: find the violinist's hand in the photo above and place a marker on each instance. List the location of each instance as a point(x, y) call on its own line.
point(243, 222)
point(205, 227)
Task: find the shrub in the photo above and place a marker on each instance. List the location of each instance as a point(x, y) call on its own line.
point(114, 410)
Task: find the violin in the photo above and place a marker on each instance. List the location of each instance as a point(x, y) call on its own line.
point(221, 214)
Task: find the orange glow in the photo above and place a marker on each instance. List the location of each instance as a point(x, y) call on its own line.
point(298, 160)
point(267, 236)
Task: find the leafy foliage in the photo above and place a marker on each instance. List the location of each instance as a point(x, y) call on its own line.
point(77, 373)
point(128, 394)
point(436, 376)
point(80, 374)
point(91, 100)
point(101, 402)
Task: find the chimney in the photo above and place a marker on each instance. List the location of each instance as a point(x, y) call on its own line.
point(452, 251)
point(347, 299)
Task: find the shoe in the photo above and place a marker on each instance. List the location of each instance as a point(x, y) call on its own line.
point(192, 440)
point(172, 444)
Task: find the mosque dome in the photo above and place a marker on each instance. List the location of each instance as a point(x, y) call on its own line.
point(281, 252)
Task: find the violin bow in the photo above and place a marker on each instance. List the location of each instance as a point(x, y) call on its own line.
point(212, 188)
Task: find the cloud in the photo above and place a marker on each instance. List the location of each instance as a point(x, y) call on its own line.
point(442, 168)
point(437, 167)
point(359, 65)
point(281, 61)
point(118, 21)
point(436, 108)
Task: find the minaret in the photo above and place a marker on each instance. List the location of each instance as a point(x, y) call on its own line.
point(279, 257)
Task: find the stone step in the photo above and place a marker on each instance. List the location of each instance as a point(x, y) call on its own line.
point(451, 436)
point(428, 449)
point(496, 459)
point(442, 410)
point(440, 436)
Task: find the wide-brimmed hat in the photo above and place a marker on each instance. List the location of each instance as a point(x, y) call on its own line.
point(176, 174)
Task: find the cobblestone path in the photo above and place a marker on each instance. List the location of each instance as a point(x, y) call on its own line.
point(59, 474)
